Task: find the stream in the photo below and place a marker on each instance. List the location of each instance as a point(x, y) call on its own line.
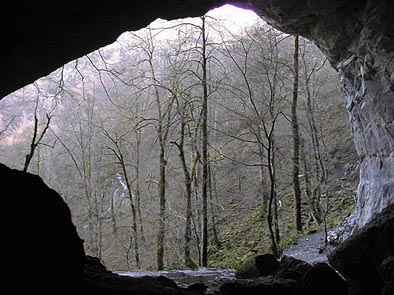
point(210, 277)
point(307, 248)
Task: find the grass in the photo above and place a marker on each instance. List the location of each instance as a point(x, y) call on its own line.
point(246, 235)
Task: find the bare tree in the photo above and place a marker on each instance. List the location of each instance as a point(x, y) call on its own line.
point(37, 136)
point(261, 112)
point(116, 150)
point(296, 141)
point(313, 190)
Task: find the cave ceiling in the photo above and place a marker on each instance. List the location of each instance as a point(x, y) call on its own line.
point(40, 36)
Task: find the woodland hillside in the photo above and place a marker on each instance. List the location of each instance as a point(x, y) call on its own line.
point(174, 146)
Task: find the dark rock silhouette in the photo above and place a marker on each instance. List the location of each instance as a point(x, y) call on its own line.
point(267, 264)
point(387, 274)
point(41, 242)
point(321, 279)
point(258, 266)
point(359, 259)
point(292, 268)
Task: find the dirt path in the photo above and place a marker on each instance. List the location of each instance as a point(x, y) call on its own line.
point(309, 248)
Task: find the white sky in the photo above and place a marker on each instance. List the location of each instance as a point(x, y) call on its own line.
point(234, 16)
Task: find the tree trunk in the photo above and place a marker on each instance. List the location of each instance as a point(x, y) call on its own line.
point(320, 173)
point(133, 213)
point(162, 209)
point(296, 143)
point(273, 228)
point(137, 184)
point(212, 184)
point(188, 174)
point(205, 176)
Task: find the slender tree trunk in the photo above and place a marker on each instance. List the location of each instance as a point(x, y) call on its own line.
point(296, 142)
point(137, 183)
point(113, 217)
point(263, 182)
point(213, 218)
point(273, 229)
point(188, 174)
point(205, 159)
point(36, 139)
point(307, 178)
point(319, 165)
point(162, 209)
point(134, 214)
point(196, 223)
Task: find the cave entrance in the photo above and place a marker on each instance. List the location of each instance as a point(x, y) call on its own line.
point(106, 126)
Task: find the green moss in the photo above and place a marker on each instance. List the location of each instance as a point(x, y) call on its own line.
point(243, 236)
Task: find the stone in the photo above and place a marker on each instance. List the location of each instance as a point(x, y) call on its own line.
point(387, 269)
point(99, 281)
point(321, 279)
point(257, 266)
point(342, 231)
point(197, 288)
point(262, 285)
point(360, 257)
point(292, 268)
point(267, 264)
point(387, 274)
point(39, 239)
point(248, 269)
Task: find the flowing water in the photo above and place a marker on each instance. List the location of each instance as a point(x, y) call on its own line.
point(208, 276)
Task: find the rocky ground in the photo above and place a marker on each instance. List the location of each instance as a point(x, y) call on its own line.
point(310, 248)
point(313, 247)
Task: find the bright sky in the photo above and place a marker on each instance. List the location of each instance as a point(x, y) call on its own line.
point(234, 16)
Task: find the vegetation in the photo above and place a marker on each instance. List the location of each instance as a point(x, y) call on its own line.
point(189, 144)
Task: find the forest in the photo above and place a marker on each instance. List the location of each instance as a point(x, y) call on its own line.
point(189, 143)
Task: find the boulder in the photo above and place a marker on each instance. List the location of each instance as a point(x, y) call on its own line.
point(248, 269)
point(258, 286)
point(40, 242)
point(292, 268)
point(267, 264)
point(321, 279)
point(359, 259)
point(197, 288)
point(258, 266)
point(387, 274)
point(98, 280)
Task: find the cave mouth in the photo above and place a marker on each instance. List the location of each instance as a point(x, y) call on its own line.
point(356, 38)
point(96, 120)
